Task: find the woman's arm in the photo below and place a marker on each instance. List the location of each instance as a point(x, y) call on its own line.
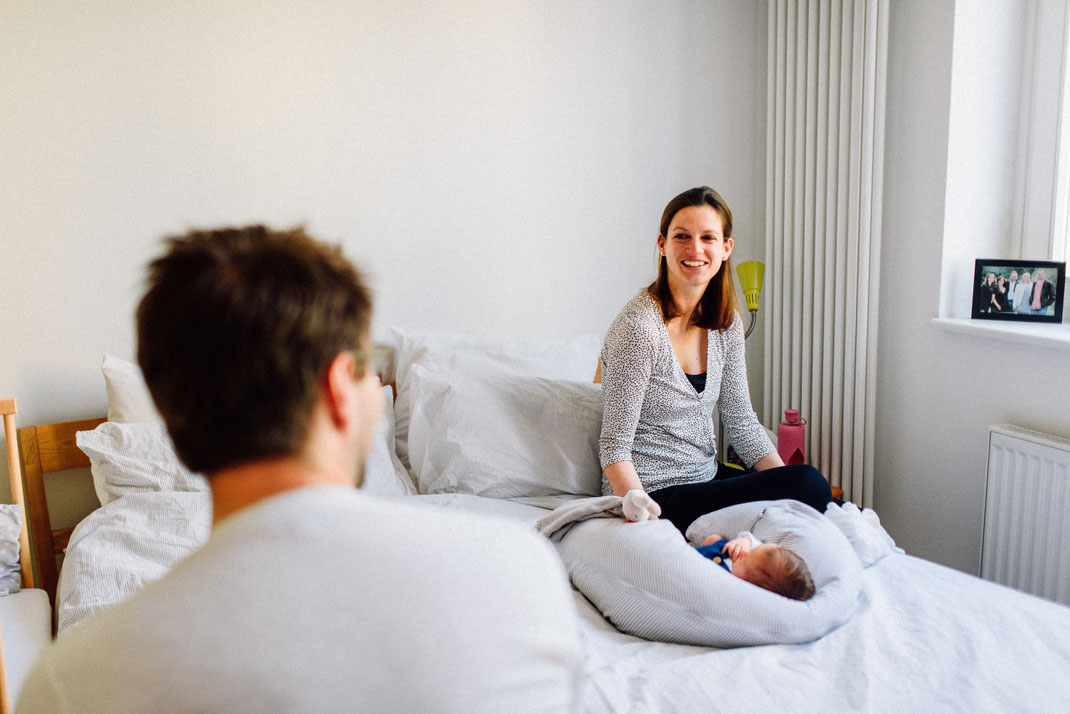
point(627, 364)
point(733, 403)
point(622, 477)
point(769, 461)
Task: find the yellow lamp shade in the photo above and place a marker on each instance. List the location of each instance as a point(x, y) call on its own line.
point(750, 275)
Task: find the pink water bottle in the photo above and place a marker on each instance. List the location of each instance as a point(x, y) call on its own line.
point(791, 438)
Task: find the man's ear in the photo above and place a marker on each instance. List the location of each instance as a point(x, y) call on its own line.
point(338, 387)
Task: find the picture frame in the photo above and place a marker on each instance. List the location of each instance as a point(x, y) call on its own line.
point(1000, 290)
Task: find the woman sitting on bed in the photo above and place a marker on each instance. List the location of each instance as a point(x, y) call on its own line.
point(674, 353)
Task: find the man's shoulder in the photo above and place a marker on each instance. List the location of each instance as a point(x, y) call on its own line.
point(355, 509)
point(330, 568)
point(370, 530)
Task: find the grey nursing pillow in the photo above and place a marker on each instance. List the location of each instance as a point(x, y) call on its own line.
point(649, 582)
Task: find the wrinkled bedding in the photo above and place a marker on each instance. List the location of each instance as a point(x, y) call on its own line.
point(121, 547)
point(924, 637)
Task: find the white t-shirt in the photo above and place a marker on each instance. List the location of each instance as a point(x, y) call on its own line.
point(328, 599)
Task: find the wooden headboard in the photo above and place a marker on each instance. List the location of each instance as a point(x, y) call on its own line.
point(46, 449)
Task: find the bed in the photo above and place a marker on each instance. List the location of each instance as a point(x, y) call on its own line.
point(510, 429)
point(25, 621)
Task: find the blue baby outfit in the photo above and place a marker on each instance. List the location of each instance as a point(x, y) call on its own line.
point(715, 552)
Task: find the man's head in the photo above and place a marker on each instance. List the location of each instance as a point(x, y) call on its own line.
point(775, 568)
point(236, 332)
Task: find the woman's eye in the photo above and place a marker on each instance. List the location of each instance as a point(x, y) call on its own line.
point(681, 236)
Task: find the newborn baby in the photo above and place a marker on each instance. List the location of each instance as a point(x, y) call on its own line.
point(766, 565)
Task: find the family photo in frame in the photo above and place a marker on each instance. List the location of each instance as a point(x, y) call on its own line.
point(1024, 290)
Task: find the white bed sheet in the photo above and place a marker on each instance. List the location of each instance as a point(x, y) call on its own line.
point(926, 638)
point(26, 621)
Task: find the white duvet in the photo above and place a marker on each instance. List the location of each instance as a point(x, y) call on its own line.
point(121, 547)
point(925, 638)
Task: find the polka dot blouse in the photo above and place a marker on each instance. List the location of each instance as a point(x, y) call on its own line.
point(654, 418)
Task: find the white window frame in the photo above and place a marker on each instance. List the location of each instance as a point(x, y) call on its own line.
point(1042, 205)
point(1060, 230)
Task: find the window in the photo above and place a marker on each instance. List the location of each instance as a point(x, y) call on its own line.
point(1008, 161)
point(1043, 198)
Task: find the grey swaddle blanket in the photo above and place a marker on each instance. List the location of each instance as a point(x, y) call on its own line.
point(555, 525)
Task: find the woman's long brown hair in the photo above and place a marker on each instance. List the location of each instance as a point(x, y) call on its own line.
point(719, 303)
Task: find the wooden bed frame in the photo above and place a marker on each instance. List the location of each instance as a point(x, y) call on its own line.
point(8, 409)
point(45, 449)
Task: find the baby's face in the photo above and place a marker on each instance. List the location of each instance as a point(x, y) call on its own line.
point(756, 560)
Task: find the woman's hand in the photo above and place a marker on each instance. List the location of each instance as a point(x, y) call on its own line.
point(639, 506)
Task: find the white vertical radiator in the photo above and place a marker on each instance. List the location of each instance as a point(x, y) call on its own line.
point(1026, 542)
point(824, 168)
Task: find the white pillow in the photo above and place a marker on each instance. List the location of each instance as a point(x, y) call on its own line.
point(137, 457)
point(10, 528)
point(128, 396)
point(574, 359)
point(133, 458)
point(504, 436)
point(648, 581)
point(384, 474)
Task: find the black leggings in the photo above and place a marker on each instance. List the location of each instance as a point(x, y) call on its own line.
point(683, 504)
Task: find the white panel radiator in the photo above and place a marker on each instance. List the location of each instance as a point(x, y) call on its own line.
point(1026, 542)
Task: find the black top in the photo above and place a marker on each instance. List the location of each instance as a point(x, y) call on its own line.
point(698, 381)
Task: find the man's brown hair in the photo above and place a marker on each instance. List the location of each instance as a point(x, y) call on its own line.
point(235, 330)
point(719, 303)
point(785, 573)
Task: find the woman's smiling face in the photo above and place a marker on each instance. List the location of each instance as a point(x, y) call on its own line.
point(695, 246)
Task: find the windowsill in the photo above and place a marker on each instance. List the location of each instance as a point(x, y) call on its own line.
point(1046, 334)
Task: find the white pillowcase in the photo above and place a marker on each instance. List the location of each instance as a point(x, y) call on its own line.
point(10, 528)
point(384, 474)
point(574, 359)
point(503, 436)
point(129, 400)
point(137, 457)
point(134, 458)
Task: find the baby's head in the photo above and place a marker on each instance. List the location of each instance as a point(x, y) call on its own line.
point(777, 569)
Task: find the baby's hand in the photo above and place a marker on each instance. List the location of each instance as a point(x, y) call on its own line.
point(639, 506)
point(736, 546)
point(712, 539)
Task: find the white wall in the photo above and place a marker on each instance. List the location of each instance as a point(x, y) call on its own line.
point(939, 391)
point(497, 168)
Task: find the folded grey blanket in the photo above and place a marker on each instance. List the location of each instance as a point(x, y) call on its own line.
point(557, 523)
